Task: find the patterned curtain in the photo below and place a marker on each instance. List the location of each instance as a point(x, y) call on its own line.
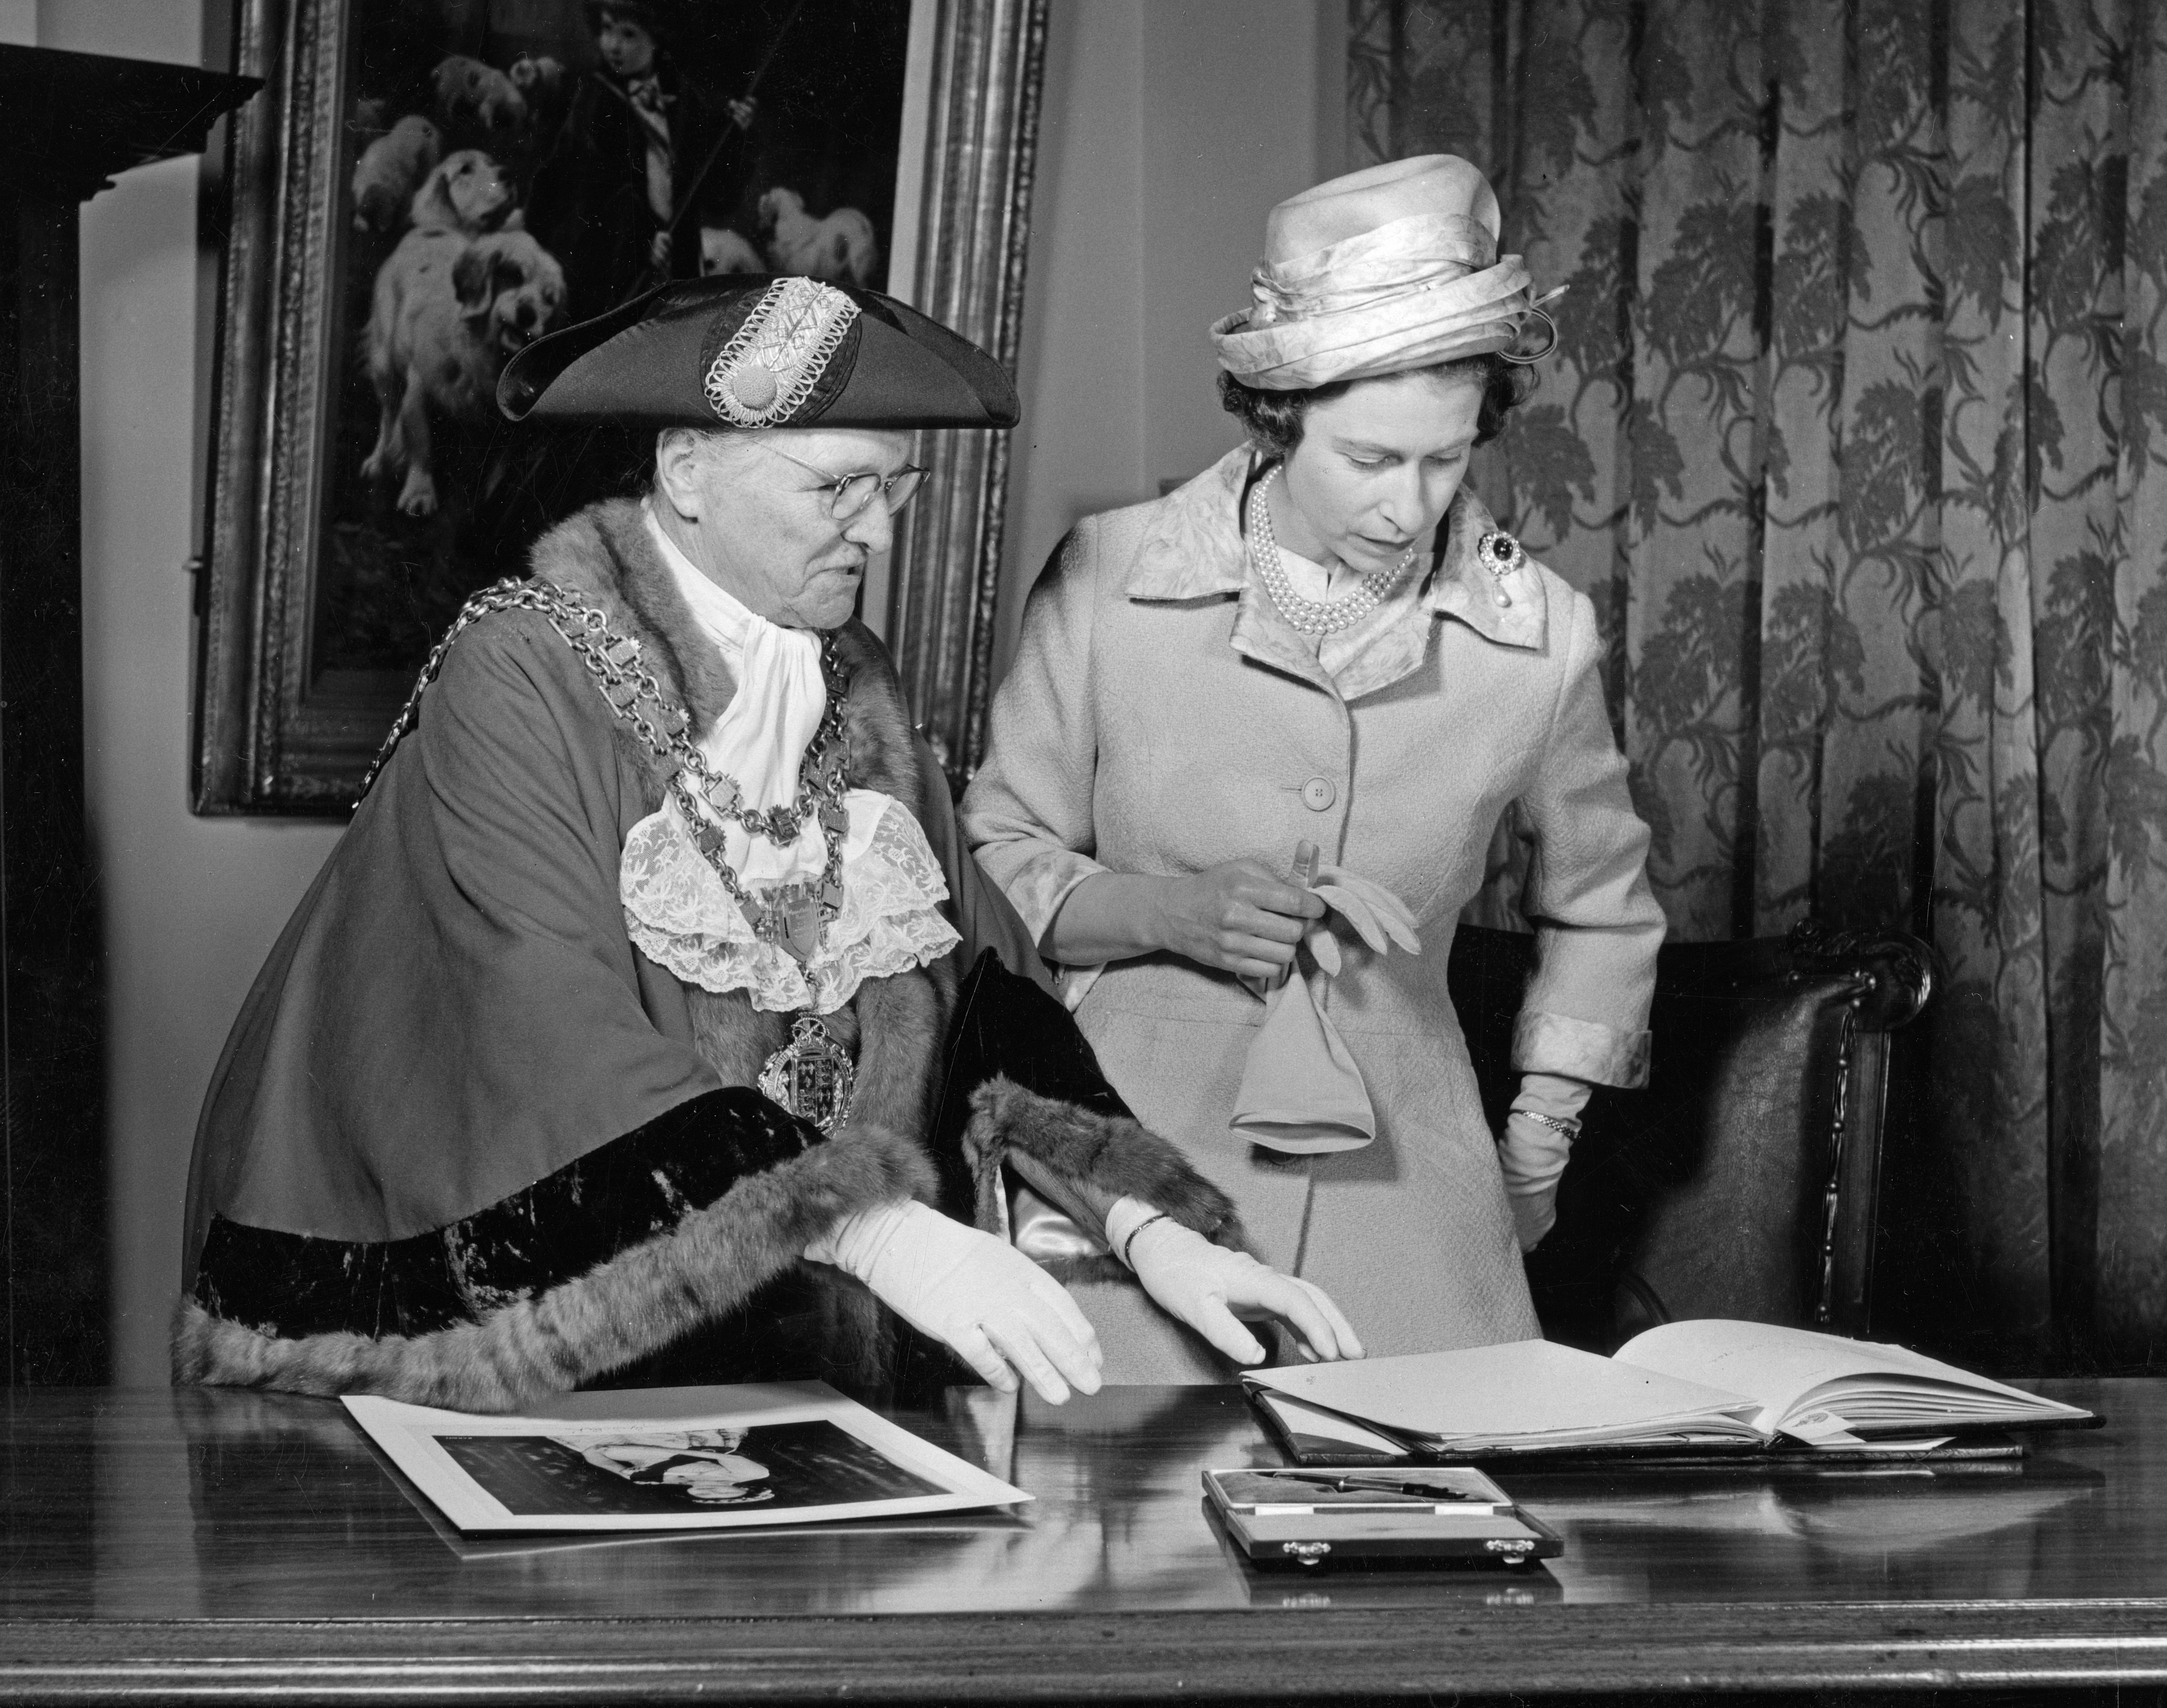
point(1857, 436)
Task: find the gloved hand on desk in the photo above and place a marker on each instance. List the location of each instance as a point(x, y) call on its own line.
point(1000, 1312)
point(1212, 1289)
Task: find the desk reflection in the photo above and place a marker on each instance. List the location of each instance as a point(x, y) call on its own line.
point(195, 1504)
point(1955, 1533)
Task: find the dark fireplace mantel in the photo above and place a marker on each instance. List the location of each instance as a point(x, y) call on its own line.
point(74, 121)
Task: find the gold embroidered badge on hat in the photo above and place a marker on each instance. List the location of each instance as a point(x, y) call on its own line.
point(770, 367)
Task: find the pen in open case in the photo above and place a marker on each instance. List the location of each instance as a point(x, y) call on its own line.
point(1342, 1483)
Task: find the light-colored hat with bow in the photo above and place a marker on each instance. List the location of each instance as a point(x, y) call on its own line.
point(1390, 268)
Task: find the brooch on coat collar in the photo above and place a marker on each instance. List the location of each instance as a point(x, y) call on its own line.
point(1500, 554)
point(813, 1075)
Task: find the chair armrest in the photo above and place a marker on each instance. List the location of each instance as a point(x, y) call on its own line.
point(1743, 1179)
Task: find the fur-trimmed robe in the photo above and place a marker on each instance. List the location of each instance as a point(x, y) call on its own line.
point(467, 1147)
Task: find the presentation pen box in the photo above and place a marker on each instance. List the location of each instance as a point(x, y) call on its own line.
point(1356, 1515)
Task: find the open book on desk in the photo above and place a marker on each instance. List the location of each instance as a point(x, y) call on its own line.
point(1709, 1387)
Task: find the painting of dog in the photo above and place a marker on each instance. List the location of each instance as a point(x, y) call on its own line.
point(841, 247)
point(497, 180)
point(467, 192)
point(545, 85)
point(723, 250)
point(478, 100)
point(391, 169)
point(428, 185)
point(449, 310)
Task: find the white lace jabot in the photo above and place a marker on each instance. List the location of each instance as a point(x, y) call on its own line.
point(675, 908)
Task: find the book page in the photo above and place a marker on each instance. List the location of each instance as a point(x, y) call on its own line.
point(1793, 1371)
point(1525, 1394)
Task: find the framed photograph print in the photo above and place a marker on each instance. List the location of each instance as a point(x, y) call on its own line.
point(431, 184)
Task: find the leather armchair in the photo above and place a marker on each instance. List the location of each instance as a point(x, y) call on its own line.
point(1741, 1181)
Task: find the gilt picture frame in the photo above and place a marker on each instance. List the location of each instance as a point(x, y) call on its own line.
point(328, 567)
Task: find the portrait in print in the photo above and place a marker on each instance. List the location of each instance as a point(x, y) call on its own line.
point(632, 1472)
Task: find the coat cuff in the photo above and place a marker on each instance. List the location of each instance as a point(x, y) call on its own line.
point(1036, 887)
point(1113, 1154)
point(1602, 1055)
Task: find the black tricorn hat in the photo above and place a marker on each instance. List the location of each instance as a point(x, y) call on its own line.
point(747, 351)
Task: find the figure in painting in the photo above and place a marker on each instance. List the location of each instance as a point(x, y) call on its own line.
point(614, 146)
point(649, 156)
point(704, 1463)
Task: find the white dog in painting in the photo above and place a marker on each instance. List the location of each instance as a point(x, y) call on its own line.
point(464, 289)
point(468, 192)
point(390, 170)
point(723, 251)
point(840, 248)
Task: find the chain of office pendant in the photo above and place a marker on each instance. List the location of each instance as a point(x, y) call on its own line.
point(634, 695)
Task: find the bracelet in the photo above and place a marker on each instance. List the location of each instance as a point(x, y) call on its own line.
point(1123, 1254)
point(1556, 1123)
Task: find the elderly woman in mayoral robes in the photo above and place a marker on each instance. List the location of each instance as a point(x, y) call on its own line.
point(1246, 769)
point(647, 1007)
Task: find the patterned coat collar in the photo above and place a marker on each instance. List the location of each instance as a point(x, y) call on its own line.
point(1193, 549)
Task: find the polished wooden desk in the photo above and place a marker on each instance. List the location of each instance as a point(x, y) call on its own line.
point(220, 1545)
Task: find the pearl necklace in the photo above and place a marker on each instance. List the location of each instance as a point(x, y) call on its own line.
point(1312, 617)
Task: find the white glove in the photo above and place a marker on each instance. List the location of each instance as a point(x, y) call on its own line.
point(971, 1292)
point(1377, 915)
point(1534, 1153)
point(1203, 1284)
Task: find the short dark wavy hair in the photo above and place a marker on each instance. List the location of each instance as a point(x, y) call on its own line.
point(1274, 419)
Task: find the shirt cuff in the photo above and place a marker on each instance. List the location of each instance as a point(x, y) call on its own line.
point(1602, 1055)
point(1045, 1234)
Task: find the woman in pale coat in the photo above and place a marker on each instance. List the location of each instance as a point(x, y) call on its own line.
point(1324, 645)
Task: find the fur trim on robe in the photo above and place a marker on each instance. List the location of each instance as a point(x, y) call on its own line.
point(1113, 1155)
point(634, 1304)
point(713, 1260)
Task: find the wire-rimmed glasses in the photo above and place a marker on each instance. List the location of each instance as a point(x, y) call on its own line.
point(849, 495)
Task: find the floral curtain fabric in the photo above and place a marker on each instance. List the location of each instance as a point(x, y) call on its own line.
point(1856, 435)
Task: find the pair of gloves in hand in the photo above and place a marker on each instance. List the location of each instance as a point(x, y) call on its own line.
point(1003, 1315)
point(1301, 1091)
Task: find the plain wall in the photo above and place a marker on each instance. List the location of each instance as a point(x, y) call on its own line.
point(1170, 128)
point(191, 905)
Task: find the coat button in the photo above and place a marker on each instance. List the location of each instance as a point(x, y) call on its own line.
point(1318, 794)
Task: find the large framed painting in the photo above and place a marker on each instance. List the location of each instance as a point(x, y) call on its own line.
point(433, 183)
